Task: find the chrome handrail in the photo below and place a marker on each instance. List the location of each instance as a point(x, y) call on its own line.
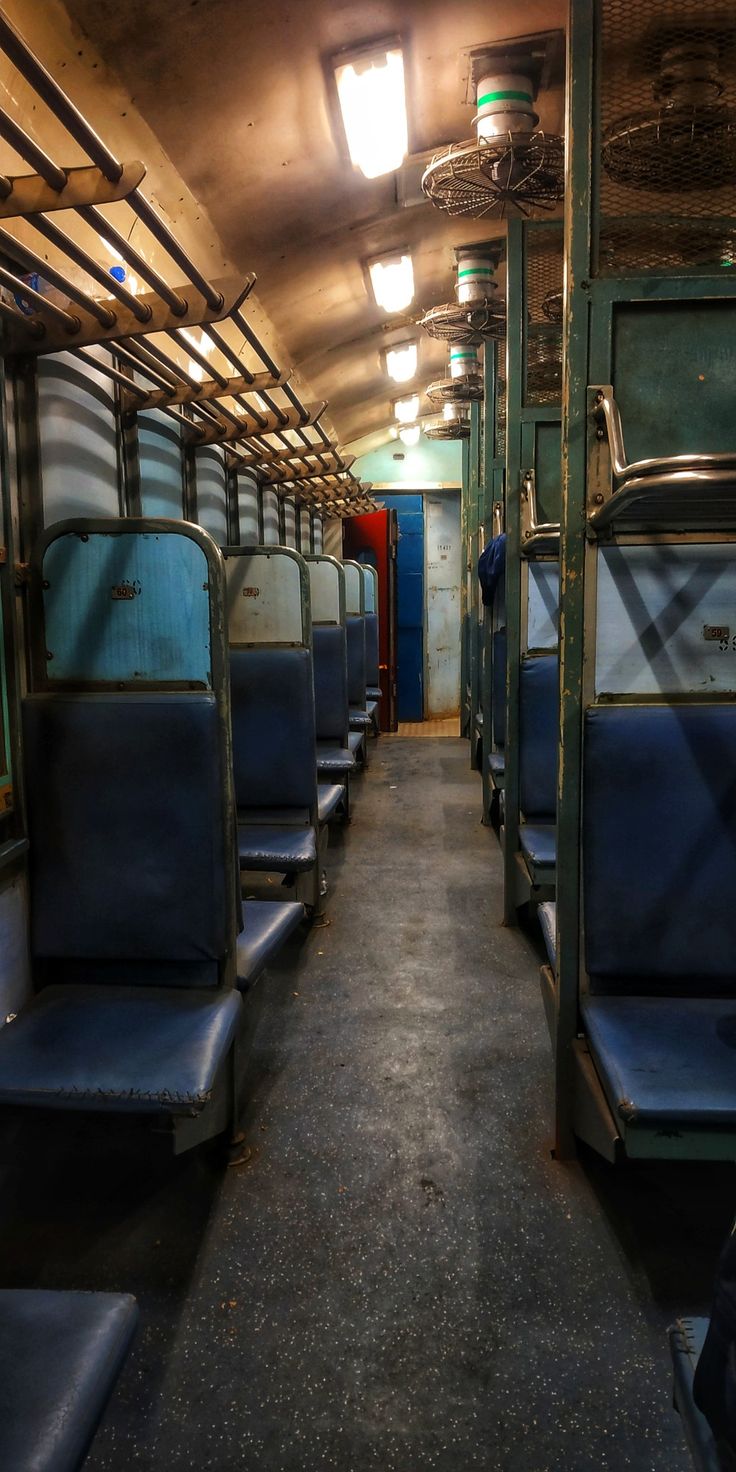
point(606, 409)
point(536, 531)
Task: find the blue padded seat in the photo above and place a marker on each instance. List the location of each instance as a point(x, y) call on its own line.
point(60, 1356)
point(538, 843)
point(372, 653)
point(277, 848)
point(687, 1340)
point(373, 692)
point(356, 742)
point(498, 687)
point(128, 867)
point(371, 706)
point(659, 853)
point(334, 760)
point(538, 736)
point(547, 915)
point(330, 682)
point(267, 925)
point(665, 1060)
point(360, 719)
point(355, 635)
point(140, 1049)
point(497, 765)
point(329, 797)
point(273, 713)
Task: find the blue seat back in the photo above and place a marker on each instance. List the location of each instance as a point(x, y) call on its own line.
point(274, 751)
point(538, 736)
point(372, 655)
point(330, 682)
point(355, 631)
point(498, 688)
point(125, 822)
point(659, 848)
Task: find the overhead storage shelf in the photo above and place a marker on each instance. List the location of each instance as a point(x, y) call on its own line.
point(73, 302)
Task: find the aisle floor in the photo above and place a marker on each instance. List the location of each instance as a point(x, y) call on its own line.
point(402, 1278)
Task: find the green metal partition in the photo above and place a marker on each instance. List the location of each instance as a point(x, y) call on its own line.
point(650, 315)
point(494, 471)
point(533, 389)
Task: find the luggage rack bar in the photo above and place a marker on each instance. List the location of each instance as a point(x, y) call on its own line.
point(689, 491)
point(536, 537)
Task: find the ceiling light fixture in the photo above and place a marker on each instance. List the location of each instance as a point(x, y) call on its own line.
point(401, 361)
point(406, 410)
point(409, 434)
point(370, 88)
point(392, 281)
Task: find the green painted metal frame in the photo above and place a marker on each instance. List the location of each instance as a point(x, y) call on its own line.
point(522, 419)
point(474, 605)
point(464, 599)
point(493, 512)
point(587, 359)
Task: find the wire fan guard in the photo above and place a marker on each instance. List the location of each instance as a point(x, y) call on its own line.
point(676, 147)
point(489, 176)
point(455, 390)
point(467, 322)
point(544, 362)
point(552, 307)
point(448, 429)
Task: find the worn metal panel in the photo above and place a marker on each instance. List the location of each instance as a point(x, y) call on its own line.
point(369, 589)
point(353, 588)
point(443, 596)
point(212, 492)
point(15, 969)
point(248, 511)
point(674, 364)
point(270, 503)
point(543, 606)
point(658, 610)
point(159, 453)
point(127, 608)
point(318, 535)
point(324, 583)
point(548, 469)
point(305, 529)
point(78, 439)
point(266, 598)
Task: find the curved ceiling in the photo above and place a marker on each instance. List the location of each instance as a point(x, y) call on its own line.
point(241, 97)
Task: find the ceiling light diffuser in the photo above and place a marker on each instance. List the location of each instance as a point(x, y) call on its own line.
point(406, 410)
point(370, 88)
point(401, 362)
point(392, 280)
point(409, 434)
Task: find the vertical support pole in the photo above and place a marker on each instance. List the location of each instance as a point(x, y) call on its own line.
point(189, 478)
point(261, 518)
point(231, 504)
point(473, 599)
point(281, 508)
point(14, 824)
point(486, 614)
point(464, 611)
point(580, 133)
point(515, 343)
point(129, 460)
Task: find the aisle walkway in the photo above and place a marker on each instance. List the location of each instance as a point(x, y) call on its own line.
point(402, 1280)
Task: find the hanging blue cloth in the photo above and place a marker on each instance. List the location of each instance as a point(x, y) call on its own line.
point(491, 564)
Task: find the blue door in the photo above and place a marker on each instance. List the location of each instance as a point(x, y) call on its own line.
point(409, 606)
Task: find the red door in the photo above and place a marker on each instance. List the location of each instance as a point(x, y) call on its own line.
point(373, 539)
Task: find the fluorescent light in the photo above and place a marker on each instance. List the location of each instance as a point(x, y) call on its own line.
point(409, 434)
point(449, 411)
point(194, 369)
point(406, 410)
point(401, 362)
point(370, 88)
point(392, 280)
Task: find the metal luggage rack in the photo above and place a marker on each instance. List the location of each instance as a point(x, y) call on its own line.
point(142, 331)
point(537, 538)
point(684, 492)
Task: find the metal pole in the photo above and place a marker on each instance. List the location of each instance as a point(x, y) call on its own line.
point(87, 263)
point(31, 151)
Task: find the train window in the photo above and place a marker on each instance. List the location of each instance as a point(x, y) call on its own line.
point(211, 492)
point(78, 441)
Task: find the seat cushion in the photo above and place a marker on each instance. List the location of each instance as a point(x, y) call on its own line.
point(659, 857)
point(497, 764)
point(330, 681)
point(498, 686)
point(360, 719)
point(356, 740)
point(538, 842)
point(371, 707)
point(355, 637)
point(276, 848)
point(374, 692)
point(329, 797)
point(334, 759)
point(267, 925)
point(273, 720)
point(547, 914)
point(123, 1049)
point(667, 1059)
point(60, 1355)
point(538, 736)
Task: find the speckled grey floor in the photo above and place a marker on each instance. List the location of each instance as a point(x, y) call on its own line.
point(402, 1279)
